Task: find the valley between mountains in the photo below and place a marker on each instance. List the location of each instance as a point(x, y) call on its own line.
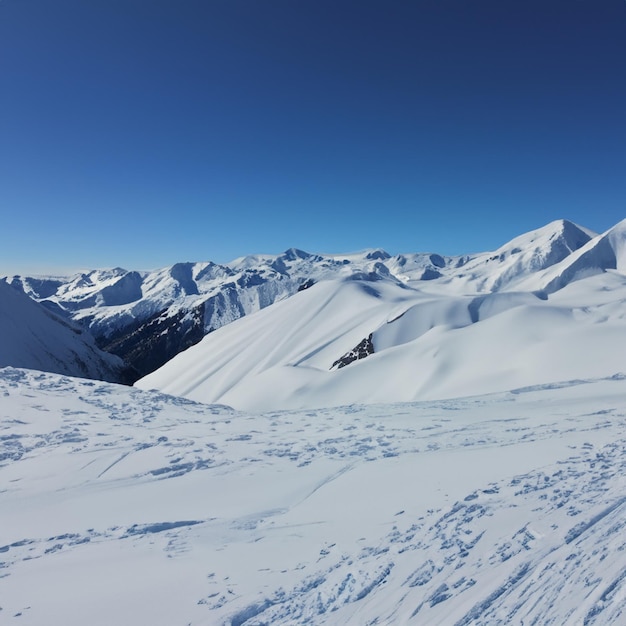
point(320, 439)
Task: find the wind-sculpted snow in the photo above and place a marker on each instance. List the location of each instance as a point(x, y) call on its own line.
point(607, 252)
point(399, 344)
point(31, 336)
point(384, 336)
point(120, 506)
point(147, 318)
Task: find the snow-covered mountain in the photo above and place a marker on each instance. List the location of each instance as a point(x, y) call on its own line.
point(378, 494)
point(147, 318)
point(120, 506)
point(602, 253)
point(33, 337)
point(353, 339)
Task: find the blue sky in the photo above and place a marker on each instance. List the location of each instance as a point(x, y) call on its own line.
point(141, 133)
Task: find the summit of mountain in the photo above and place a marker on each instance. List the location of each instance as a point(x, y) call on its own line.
point(148, 317)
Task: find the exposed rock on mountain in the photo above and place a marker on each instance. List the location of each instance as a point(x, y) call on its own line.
point(364, 349)
point(537, 311)
point(147, 318)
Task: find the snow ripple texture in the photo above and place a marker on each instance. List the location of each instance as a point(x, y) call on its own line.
point(124, 506)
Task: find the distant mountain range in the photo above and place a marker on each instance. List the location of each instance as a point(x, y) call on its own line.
point(125, 506)
point(414, 316)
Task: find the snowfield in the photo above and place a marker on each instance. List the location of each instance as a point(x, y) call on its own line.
point(427, 345)
point(33, 337)
point(147, 318)
point(351, 440)
point(548, 306)
point(123, 506)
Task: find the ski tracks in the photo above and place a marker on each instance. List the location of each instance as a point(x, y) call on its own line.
point(547, 564)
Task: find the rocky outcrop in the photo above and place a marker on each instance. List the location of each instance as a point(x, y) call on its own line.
point(361, 351)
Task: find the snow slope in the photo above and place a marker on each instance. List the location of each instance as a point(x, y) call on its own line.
point(148, 317)
point(426, 345)
point(32, 337)
point(520, 258)
point(602, 253)
point(120, 506)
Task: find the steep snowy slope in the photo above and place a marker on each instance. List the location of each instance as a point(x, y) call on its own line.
point(603, 253)
point(421, 345)
point(522, 257)
point(120, 506)
point(295, 341)
point(148, 317)
point(498, 270)
point(34, 338)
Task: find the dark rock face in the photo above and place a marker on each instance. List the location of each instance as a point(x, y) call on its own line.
point(363, 350)
point(378, 255)
point(127, 289)
point(40, 287)
point(250, 279)
point(182, 273)
point(306, 284)
point(150, 343)
point(430, 274)
point(437, 260)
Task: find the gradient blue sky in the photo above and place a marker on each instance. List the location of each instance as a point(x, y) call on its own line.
point(141, 133)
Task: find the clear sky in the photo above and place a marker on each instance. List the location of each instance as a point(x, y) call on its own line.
point(144, 132)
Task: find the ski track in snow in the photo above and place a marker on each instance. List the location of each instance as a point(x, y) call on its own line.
point(501, 509)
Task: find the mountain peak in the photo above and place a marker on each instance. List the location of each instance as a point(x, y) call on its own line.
point(148, 317)
point(292, 254)
point(599, 254)
point(378, 254)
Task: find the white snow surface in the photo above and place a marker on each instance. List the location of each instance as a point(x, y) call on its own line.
point(470, 471)
point(122, 506)
point(32, 337)
point(431, 339)
point(107, 301)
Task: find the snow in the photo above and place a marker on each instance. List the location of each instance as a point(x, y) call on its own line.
point(523, 256)
point(125, 506)
point(32, 337)
point(470, 471)
point(188, 300)
point(428, 344)
point(600, 254)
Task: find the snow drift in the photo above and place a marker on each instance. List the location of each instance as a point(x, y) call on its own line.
point(358, 340)
point(33, 337)
point(121, 506)
point(147, 318)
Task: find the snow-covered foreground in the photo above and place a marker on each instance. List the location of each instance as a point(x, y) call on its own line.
point(120, 506)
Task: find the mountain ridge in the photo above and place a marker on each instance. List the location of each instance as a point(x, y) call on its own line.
point(35, 338)
point(395, 341)
point(148, 317)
